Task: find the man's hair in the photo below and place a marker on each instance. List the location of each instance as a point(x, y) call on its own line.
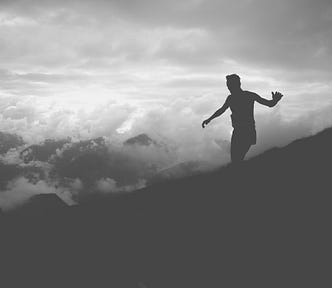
point(234, 78)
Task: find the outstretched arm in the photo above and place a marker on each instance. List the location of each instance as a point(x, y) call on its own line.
point(219, 112)
point(276, 96)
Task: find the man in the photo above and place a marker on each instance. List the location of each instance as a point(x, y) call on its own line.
point(241, 103)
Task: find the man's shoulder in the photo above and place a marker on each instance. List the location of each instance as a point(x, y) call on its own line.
point(250, 94)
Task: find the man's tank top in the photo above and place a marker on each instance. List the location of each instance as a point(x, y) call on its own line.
point(242, 107)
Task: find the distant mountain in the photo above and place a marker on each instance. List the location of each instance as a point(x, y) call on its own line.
point(141, 139)
point(87, 160)
point(8, 172)
point(42, 151)
point(63, 161)
point(264, 223)
point(8, 141)
point(43, 203)
point(92, 160)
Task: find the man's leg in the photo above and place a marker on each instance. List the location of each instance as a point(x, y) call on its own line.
point(235, 148)
point(238, 152)
point(239, 147)
point(244, 149)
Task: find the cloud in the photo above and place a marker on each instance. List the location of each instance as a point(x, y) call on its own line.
point(176, 122)
point(119, 28)
point(274, 131)
point(20, 190)
point(130, 167)
point(132, 50)
point(36, 120)
point(179, 123)
point(108, 185)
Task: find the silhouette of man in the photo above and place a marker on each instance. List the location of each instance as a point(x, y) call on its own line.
point(241, 103)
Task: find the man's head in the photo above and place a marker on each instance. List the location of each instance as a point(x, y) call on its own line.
point(233, 83)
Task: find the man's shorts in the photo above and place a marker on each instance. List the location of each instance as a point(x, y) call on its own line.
point(245, 135)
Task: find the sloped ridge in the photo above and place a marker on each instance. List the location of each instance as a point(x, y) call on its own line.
point(264, 223)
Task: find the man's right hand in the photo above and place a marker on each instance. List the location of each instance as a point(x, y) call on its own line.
point(276, 96)
point(205, 122)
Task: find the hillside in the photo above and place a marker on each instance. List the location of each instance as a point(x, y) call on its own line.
point(266, 223)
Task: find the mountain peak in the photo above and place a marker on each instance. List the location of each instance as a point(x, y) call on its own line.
point(44, 202)
point(141, 139)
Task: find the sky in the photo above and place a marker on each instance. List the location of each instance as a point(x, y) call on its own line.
point(86, 69)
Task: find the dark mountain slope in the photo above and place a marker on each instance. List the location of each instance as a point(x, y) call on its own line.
point(8, 141)
point(266, 223)
point(43, 151)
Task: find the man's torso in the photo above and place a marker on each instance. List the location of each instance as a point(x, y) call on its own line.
point(242, 107)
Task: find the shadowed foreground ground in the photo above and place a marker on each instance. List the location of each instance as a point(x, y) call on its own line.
point(264, 224)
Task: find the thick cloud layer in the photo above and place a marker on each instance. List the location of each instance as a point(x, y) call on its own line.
point(75, 170)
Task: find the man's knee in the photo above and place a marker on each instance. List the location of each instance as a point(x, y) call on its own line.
point(236, 156)
point(238, 152)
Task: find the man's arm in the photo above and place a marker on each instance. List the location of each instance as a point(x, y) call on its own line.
point(276, 96)
point(219, 112)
